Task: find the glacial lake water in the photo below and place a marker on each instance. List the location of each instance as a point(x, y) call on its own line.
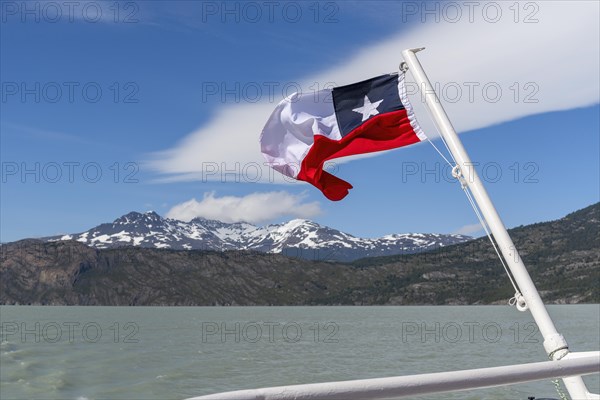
point(179, 352)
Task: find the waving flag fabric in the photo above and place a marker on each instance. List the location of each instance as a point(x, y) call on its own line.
point(305, 130)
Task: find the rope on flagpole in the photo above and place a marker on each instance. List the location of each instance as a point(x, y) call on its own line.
point(442, 155)
point(517, 299)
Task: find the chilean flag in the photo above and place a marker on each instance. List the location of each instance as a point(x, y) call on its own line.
point(307, 129)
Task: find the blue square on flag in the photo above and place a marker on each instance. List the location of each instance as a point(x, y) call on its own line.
point(356, 103)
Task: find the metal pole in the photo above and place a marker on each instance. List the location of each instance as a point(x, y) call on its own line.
point(415, 385)
point(554, 343)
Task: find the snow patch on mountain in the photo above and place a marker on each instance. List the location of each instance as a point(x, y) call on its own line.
point(298, 237)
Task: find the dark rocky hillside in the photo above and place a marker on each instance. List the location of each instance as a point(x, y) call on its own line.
point(563, 257)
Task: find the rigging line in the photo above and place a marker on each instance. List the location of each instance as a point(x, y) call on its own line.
point(490, 236)
point(476, 210)
point(441, 154)
point(448, 148)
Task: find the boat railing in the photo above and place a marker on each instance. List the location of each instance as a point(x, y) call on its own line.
point(574, 364)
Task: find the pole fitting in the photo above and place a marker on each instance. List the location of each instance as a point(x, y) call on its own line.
point(403, 66)
point(457, 173)
point(520, 302)
point(556, 346)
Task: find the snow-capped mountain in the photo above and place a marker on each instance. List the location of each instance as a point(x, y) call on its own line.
point(298, 237)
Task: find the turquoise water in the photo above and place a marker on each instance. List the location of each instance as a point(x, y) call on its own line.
point(174, 353)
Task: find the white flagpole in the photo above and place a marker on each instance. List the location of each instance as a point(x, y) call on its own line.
point(554, 343)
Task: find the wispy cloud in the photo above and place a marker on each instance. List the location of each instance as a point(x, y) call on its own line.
point(469, 229)
point(252, 208)
point(487, 73)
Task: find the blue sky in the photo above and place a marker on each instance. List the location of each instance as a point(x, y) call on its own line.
point(115, 108)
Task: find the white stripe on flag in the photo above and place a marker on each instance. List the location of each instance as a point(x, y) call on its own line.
point(409, 109)
point(289, 133)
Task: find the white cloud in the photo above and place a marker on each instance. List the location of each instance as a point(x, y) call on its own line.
point(549, 65)
point(253, 208)
point(469, 229)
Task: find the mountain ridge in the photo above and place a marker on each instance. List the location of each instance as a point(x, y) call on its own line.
point(562, 257)
point(298, 237)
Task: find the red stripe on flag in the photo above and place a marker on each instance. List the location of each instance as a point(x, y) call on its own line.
point(382, 132)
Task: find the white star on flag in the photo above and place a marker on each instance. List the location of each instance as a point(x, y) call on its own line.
point(368, 109)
